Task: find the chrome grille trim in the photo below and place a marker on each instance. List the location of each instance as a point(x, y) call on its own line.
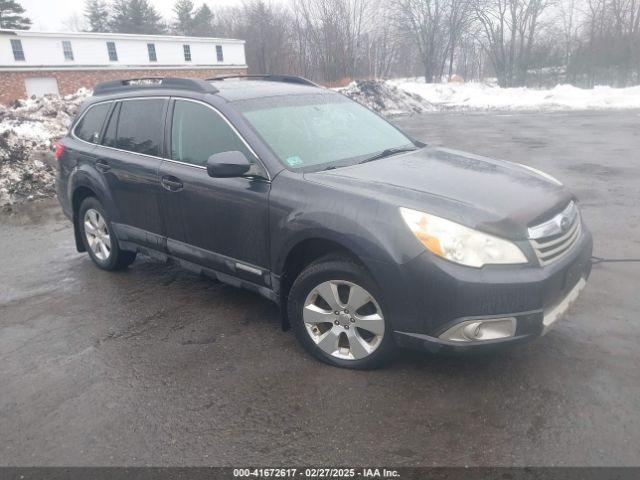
point(550, 242)
point(559, 240)
point(553, 226)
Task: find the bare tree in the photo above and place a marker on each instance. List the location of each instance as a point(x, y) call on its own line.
point(458, 22)
point(510, 28)
point(567, 10)
point(331, 36)
point(268, 32)
point(424, 20)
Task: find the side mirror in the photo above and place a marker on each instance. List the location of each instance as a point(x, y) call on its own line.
point(227, 164)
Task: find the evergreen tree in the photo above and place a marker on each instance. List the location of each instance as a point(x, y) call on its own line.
point(203, 22)
point(12, 16)
point(97, 14)
point(183, 24)
point(135, 16)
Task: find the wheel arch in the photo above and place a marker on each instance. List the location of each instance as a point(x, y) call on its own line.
point(302, 254)
point(86, 182)
point(80, 193)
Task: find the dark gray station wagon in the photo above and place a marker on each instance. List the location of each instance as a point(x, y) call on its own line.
point(366, 238)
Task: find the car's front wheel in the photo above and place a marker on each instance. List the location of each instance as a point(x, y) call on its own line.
point(99, 238)
point(337, 314)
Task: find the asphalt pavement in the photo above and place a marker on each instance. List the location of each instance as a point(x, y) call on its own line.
point(157, 366)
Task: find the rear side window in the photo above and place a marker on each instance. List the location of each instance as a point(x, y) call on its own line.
point(197, 132)
point(90, 125)
point(140, 125)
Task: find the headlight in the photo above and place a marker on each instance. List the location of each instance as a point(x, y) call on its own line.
point(458, 243)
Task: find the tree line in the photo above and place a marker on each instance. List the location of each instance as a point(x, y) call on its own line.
point(519, 42)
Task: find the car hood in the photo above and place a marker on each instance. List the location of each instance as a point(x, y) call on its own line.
point(494, 196)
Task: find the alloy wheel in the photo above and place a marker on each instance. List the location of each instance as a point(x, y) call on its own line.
point(97, 233)
point(343, 319)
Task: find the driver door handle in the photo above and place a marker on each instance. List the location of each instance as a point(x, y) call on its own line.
point(171, 183)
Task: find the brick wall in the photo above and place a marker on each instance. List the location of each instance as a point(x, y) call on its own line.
point(12, 83)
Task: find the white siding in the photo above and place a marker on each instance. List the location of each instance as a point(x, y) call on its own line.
point(90, 50)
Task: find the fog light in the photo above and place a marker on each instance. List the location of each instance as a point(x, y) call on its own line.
point(481, 330)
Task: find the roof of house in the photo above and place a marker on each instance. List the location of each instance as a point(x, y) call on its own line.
point(118, 36)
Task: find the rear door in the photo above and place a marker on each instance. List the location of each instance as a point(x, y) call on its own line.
point(79, 150)
point(220, 223)
point(131, 154)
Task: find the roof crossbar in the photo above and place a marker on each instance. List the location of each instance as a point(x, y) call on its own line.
point(176, 83)
point(269, 78)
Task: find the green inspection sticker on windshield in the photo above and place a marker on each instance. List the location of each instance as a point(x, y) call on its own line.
point(294, 161)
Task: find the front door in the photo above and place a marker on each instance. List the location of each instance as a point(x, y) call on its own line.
point(220, 223)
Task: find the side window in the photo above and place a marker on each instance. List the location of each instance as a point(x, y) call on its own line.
point(197, 132)
point(90, 126)
point(140, 126)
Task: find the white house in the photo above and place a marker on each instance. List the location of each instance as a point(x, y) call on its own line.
point(35, 63)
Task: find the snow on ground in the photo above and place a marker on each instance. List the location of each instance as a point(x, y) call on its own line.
point(480, 96)
point(404, 96)
point(28, 129)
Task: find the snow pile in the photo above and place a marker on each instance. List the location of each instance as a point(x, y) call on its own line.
point(28, 129)
point(479, 96)
point(385, 98)
point(406, 96)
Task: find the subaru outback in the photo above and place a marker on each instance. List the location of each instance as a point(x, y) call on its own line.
point(368, 239)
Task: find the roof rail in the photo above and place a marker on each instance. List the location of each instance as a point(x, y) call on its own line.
point(192, 84)
point(269, 78)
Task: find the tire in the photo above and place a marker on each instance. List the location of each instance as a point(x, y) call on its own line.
point(99, 238)
point(360, 338)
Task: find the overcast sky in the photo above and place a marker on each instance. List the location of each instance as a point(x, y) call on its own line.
point(52, 14)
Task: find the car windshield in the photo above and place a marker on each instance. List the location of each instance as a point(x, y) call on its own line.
point(319, 131)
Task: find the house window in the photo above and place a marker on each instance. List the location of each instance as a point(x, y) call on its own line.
point(187, 52)
point(113, 53)
point(68, 51)
point(18, 52)
point(219, 53)
point(151, 47)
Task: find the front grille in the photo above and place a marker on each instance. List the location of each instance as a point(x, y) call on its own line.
point(552, 239)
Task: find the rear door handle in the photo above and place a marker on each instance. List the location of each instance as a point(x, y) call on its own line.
point(103, 165)
point(172, 184)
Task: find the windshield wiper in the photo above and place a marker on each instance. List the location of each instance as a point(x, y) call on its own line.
point(387, 152)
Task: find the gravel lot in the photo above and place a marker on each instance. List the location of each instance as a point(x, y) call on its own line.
point(156, 366)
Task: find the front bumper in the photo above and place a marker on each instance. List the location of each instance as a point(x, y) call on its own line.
point(438, 295)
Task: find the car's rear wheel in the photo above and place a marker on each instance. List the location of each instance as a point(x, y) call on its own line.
point(336, 312)
point(99, 238)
